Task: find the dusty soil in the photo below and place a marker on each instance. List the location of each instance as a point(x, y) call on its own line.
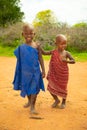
point(13, 116)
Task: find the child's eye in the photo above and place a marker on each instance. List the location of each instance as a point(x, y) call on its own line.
point(32, 33)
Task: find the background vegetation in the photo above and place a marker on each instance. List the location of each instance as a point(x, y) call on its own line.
point(46, 26)
point(10, 12)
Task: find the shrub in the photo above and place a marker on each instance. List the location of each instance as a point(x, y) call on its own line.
point(78, 39)
point(11, 35)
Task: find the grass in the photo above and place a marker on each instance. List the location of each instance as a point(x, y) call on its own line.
point(80, 57)
point(9, 51)
point(6, 51)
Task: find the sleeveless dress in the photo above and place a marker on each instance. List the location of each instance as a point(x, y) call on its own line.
point(28, 76)
point(57, 75)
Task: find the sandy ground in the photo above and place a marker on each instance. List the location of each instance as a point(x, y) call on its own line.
point(13, 116)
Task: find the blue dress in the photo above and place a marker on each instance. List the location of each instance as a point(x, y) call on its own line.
point(28, 76)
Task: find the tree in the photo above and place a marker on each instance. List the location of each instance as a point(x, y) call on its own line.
point(10, 12)
point(79, 25)
point(46, 26)
point(45, 17)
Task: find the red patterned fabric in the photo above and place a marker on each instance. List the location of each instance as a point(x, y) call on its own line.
point(57, 75)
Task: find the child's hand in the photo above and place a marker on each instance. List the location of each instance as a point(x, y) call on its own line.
point(64, 60)
point(43, 74)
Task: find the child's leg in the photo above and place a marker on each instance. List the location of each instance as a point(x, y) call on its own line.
point(33, 101)
point(63, 101)
point(57, 101)
point(63, 104)
point(29, 101)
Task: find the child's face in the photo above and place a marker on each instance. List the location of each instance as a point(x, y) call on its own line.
point(28, 34)
point(61, 44)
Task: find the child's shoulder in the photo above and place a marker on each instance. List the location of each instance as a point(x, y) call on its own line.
point(54, 51)
point(38, 45)
point(68, 53)
point(23, 44)
point(35, 45)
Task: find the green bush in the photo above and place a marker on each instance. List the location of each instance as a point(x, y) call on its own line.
point(78, 39)
point(11, 35)
point(47, 47)
point(45, 35)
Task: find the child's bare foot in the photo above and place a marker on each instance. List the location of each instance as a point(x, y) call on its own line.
point(33, 111)
point(55, 103)
point(62, 106)
point(27, 105)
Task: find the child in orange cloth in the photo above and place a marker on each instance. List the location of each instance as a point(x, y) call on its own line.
point(58, 71)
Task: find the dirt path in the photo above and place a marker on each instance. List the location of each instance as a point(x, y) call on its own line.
point(14, 117)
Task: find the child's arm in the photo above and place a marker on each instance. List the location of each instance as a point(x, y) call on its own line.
point(68, 58)
point(46, 52)
point(41, 61)
point(43, 52)
point(71, 59)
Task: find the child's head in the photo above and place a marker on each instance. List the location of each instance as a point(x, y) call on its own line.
point(28, 32)
point(61, 41)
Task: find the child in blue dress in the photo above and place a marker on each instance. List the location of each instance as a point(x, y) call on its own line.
point(28, 77)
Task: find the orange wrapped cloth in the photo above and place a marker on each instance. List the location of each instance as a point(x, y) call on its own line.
point(57, 75)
